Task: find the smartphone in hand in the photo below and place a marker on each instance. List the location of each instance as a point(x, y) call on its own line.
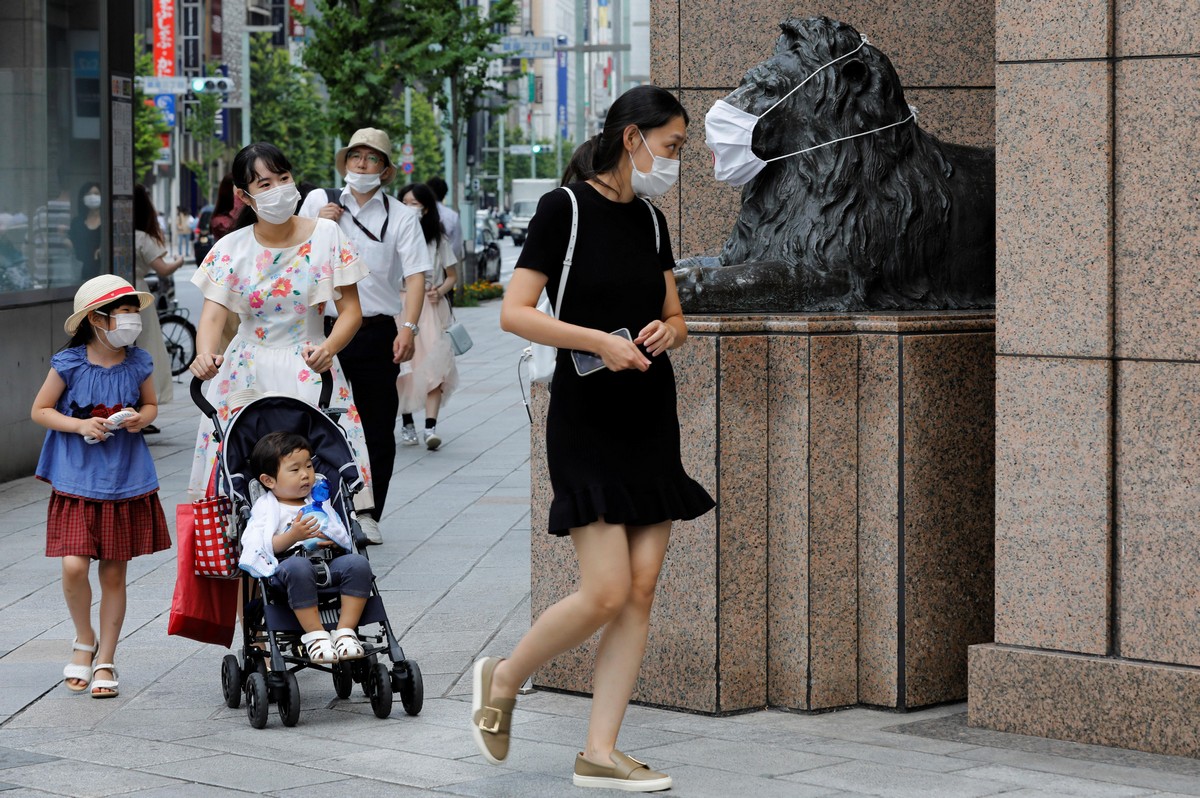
point(588, 362)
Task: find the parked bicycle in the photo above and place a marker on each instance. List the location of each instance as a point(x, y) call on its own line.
point(179, 334)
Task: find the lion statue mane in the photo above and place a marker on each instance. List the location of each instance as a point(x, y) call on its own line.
point(893, 220)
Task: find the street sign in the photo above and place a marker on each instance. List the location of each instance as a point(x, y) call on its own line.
point(406, 152)
point(151, 85)
point(520, 149)
point(406, 167)
point(527, 46)
point(166, 104)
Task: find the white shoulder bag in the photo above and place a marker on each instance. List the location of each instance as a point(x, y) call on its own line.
point(541, 358)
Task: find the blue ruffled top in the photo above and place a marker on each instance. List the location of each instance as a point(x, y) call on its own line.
point(118, 468)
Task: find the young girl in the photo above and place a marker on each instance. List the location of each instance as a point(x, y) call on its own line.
point(104, 505)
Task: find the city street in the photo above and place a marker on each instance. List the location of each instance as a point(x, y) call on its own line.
point(454, 573)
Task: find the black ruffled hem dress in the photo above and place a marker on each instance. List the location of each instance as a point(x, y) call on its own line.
point(612, 438)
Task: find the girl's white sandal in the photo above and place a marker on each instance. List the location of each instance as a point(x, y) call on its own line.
point(109, 686)
point(319, 647)
point(81, 672)
point(346, 644)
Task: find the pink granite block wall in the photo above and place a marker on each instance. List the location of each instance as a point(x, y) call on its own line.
point(788, 568)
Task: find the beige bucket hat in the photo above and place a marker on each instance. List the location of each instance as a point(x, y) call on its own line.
point(368, 137)
point(98, 292)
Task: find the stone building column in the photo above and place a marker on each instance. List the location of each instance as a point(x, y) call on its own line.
point(1098, 376)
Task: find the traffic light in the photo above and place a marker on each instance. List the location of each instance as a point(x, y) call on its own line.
point(537, 148)
point(212, 85)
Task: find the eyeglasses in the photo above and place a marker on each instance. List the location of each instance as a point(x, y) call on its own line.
point(370, 157)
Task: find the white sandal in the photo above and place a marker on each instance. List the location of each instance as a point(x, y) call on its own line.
point(109, 686)
point(319, 647)
point(81, 672)
point(347, 645)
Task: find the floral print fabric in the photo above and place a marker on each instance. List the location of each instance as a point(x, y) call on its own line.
point(280, 297)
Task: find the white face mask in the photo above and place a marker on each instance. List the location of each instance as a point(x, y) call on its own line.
point(729, 133)
point(278, 204)
point(91, 201)
point(363, 183)
point(662, 175)
point(126, 330)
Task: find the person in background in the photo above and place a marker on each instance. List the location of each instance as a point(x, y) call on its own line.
point(150, 254)
point(450, 220)
point(50, 242)
point(85, 230)
point(222, 222)
point(184, 223)
point(434, 374)
point(389, 241)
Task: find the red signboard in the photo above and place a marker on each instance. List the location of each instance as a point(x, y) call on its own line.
point(296, 29)
point(164, 38)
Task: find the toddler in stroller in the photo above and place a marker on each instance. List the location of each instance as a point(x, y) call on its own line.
point(275, 545)
point(287, 611)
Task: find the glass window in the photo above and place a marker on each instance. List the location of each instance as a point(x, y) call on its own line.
point(52, 212)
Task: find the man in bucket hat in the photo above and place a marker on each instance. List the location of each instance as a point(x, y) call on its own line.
point(388, 236)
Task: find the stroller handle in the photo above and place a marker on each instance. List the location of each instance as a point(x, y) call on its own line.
point(201, 401)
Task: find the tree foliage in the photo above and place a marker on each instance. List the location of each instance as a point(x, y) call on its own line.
point(209, 151)
point(287, 111)
point(425, 134)
point(148, 123)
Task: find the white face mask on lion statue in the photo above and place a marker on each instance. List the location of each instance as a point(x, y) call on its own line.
point(729, 133)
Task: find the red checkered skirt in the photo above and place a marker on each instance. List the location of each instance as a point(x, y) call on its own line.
point(105, 530)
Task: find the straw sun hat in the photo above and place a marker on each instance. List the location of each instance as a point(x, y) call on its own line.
point(367, 137)
point(98, 292)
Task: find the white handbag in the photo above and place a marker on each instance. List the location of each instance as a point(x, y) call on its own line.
point(539, 357)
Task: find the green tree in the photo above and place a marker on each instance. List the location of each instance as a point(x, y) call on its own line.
point(148, 123)
point(467, 41)
point(425, 134)
point(363, 49)
point(287, 111)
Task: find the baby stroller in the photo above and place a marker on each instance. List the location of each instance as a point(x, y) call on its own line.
point(270, 631)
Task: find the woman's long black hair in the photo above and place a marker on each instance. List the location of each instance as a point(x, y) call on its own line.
point(145, 218)
point(243, 172)
point(225, 203)
point(646, 106)
point(431, 221)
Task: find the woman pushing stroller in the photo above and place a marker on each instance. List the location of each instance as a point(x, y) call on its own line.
point(274, 542)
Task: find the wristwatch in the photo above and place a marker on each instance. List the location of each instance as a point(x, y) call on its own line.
point(415, 329)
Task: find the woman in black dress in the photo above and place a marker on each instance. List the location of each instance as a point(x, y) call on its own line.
point(612, 437)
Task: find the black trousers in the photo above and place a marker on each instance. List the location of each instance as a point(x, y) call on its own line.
point(367, 363)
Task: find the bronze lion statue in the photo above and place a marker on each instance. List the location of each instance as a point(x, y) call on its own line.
point(894, 220)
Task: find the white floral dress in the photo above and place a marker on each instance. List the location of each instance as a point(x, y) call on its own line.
point(280, 296)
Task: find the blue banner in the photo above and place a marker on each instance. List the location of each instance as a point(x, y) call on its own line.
point(561, 58)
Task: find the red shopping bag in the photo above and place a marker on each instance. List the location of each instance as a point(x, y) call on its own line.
point(202, 608)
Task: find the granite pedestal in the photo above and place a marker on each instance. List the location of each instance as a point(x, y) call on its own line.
point(850, 557)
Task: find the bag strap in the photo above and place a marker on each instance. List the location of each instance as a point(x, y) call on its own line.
point(654, 216)
point(334, 195)
point(569, 257)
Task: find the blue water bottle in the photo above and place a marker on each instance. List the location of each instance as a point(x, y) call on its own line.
point(319, 494)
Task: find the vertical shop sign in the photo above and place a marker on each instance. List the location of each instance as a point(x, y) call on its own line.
point(216, 29)
point(164, 38)
point(295, 28)
point(560, 59)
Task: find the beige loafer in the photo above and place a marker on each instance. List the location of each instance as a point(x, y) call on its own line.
point(626, 774)
point(491, 718)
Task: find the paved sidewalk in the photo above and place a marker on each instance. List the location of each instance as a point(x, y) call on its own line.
point(454, 572)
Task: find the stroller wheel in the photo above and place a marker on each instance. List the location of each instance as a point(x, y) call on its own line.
point(368, 667)
point(256, 700)
point(231, 681)
point(289, 700)
point(343, 680)
point(406, 676)
point(379, 682)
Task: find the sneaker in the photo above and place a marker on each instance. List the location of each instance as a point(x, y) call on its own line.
point(432, 439)
point(370, 528)
point(626, 774)
point(491, 718)
point(408, 435)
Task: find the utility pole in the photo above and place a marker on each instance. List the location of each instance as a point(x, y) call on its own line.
point(246, 31)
